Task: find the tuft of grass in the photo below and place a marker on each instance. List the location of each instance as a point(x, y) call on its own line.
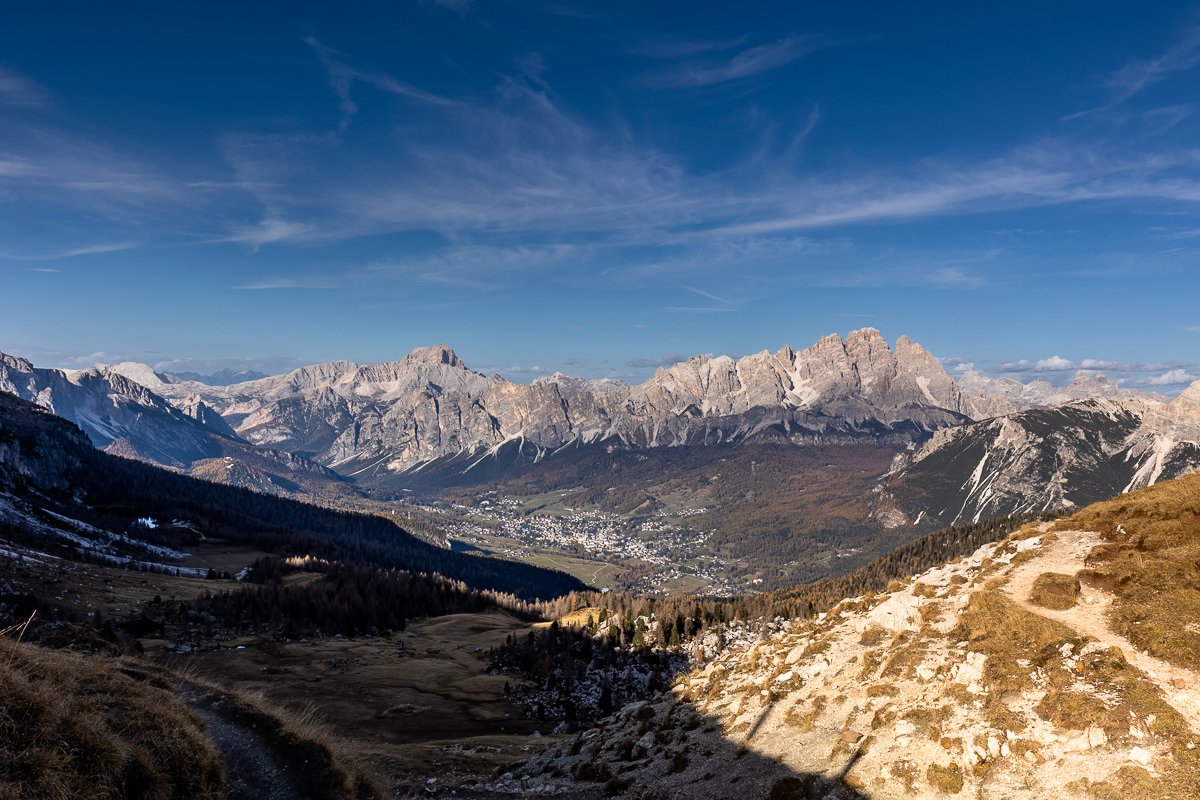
point(947, 780)
point(96, 727)
point(1007, 634)
point(1055, 590)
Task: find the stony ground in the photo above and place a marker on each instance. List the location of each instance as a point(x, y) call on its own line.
point(955, 683)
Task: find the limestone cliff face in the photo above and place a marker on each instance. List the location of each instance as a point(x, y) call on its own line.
point(429, 404)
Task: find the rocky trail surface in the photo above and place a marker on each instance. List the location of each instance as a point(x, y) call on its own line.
point(1067, 554)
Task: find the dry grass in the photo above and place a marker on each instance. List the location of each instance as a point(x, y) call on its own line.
point(1055, 590)
point(322, 763)
point(947, 780)
point(1151, 561)
point(75, 727)
point(1007, 634)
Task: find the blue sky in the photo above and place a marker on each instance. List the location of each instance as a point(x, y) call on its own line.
point(599, 187)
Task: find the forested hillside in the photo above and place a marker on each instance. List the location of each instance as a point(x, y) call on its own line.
point(43, 454)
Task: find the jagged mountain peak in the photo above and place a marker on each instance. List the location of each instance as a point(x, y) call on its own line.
point(437, 354)
point(15, 362)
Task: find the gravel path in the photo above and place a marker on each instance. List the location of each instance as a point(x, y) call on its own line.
point(252, 771)
point(1089, 616)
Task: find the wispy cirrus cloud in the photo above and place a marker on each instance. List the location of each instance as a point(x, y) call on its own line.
point(745, 64)
point(268, 284)
point(71, 252)
point(670, 49)
point(700, 309)
point(343, 76)
point(710, 296)
point(1138, 74)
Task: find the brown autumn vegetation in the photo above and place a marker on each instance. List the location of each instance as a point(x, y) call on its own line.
point(76, 727)
point(1055, 591)
point(1150, 560)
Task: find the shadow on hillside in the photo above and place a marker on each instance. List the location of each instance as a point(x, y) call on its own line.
point(659, 745)
point(668, 750)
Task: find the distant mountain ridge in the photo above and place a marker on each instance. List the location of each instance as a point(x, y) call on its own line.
point(223, 377)
point(121, 415)
point(383, 420)
point(390, 418)
point(427, 417)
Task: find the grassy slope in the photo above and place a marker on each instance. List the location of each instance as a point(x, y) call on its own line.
point(1151, 560)
point(75, 727)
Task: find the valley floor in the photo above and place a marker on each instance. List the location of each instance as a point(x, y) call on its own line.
point(417, 710)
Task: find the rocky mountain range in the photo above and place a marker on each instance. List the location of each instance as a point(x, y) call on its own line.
point(119, 414)
point(428, 415)
point(1045, 459)
point(389, 418)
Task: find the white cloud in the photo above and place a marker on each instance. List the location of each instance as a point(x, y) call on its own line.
point(342, 76)
point(17, 90)
point(956, 364)
point(1054, 364)
point(286, 283)
point(1140, 74)
point(1099, 363)
point(709, 295)
point(1175, 377)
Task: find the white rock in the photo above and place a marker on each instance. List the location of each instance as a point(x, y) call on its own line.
point(1140, 755)
point(970, 670)
point(900, 612)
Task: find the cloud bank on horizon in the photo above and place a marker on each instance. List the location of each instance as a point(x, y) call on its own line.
point(598, 185)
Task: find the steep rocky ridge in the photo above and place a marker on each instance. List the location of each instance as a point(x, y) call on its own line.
point(1064, 457)
point(122, 416)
